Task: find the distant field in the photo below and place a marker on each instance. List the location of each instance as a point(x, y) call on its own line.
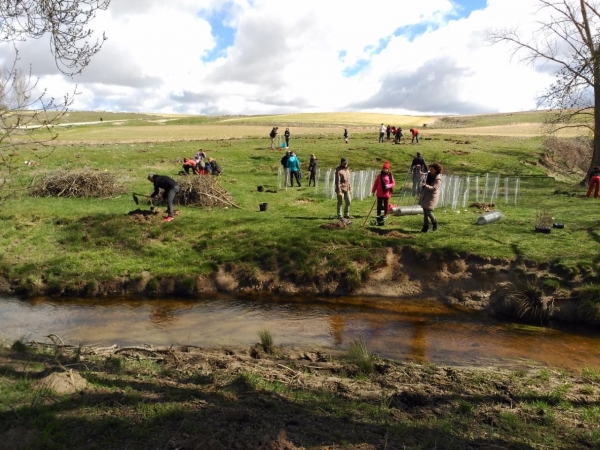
point(514, 130)
point(134, 127)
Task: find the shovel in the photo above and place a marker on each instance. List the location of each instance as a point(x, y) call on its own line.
point(135, 198)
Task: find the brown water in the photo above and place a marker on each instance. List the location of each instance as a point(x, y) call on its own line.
point(404, 330)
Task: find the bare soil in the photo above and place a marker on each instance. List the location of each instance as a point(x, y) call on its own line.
point(246, 398)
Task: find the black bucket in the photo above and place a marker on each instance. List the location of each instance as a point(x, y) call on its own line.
point(381, 220)
point(263, 206)
point(260, 188)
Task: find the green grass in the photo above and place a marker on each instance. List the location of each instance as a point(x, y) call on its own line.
point(71, 245)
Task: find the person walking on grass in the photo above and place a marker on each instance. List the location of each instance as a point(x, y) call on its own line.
point(343, 189)
point(384, 183)
point(419, 169)
point(287, 137)
point(312, 168)
point(170, 189)
point(415, 135)
point(346, 135)
point(382, 130)
point(594, 182)
point(430, 191)
point(293, 165)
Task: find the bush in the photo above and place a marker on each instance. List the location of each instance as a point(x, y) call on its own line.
point(575, 154)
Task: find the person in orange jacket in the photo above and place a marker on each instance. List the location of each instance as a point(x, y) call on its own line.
point(415, 135)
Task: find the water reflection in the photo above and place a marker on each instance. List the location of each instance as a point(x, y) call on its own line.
point(406, 330)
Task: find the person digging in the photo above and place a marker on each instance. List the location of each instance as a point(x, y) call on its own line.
point(170, 189)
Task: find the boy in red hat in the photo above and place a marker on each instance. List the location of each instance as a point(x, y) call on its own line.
point(383, 187)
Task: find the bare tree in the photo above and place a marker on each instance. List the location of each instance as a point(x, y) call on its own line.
point(27, 115)
point(65, 21)
point(569, 38)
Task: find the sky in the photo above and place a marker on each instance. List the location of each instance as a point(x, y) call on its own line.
point(248, 57)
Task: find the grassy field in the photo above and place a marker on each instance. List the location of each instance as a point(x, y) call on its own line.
point(65, 241)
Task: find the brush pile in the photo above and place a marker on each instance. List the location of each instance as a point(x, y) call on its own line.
point(204, 191)
point(78, 183)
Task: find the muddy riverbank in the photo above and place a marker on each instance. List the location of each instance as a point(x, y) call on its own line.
point(186, 397)
point(512, 288)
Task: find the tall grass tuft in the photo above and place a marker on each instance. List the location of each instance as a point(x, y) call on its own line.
point(360, 355)
point(266, 339)
point(527, 297)
point(589, 298)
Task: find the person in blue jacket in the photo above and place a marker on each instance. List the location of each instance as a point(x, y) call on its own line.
point(293, 165)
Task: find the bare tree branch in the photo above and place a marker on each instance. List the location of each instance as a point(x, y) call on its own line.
point(65, 21)
point(570, 38)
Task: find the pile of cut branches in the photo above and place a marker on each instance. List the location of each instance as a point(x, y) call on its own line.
point(78, 183)
point(203, 191)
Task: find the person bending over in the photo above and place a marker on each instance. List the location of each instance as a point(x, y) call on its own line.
point(170, 189)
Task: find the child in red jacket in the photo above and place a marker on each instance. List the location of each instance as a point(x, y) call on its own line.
point(594, 182)
point(383, 187)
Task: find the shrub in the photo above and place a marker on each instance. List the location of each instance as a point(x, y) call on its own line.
point(589, 298)
point(266, 339)
point(360, 355)
point(527, 297)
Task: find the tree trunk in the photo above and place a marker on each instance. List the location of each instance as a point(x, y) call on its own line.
point(596, 154)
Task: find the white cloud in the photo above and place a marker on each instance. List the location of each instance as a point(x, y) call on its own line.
point(286, 58)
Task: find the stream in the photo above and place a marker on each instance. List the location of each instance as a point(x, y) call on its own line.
point(414, 330)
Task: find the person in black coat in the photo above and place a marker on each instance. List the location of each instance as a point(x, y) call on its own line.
point(287, 137)
point(170, 188)
point(419, 161)
point(312, 168)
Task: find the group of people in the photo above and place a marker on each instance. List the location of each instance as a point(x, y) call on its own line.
point(291, 164)
point(427, 182)
point(388, 131)
point(199, 165)
point(273, 135)
point(429, 185)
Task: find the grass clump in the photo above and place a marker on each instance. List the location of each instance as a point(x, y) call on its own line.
point(527, 298)
point(589, 298)
point(359, 355)
point(266, 339)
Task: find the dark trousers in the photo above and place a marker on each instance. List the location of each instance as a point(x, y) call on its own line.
point(428, 213)
point(287, 141)
point(312, 178)
point(382, 206)
point(381, 136)
point(296, 176)
point(169, 196)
